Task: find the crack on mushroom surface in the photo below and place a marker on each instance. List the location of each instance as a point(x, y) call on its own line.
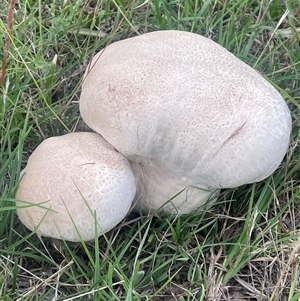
point(227, 140)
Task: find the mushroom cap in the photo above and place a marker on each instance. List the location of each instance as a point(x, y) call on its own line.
point(73, 183)
point(181, 103)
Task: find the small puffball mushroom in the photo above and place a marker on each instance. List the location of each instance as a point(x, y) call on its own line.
point(72, 185)
point(189, 115)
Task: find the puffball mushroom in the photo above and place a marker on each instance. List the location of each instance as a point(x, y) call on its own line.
point(189, 115)
point(73, 185)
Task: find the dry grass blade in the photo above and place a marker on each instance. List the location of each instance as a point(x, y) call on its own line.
point(93, 291)
point(294, 258)
point(7, 40)
point(50, 278)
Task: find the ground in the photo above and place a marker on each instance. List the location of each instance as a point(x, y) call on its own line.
point(245, 247)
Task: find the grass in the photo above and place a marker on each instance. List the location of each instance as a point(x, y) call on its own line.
point(246, 247)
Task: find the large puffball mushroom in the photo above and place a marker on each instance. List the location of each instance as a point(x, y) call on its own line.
point(73, 185)
point(189, 115)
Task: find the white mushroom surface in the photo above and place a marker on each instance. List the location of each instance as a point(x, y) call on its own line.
point(75, 184)
point(188, 114)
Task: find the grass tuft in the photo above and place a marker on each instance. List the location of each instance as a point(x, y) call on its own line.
point(245, 247)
